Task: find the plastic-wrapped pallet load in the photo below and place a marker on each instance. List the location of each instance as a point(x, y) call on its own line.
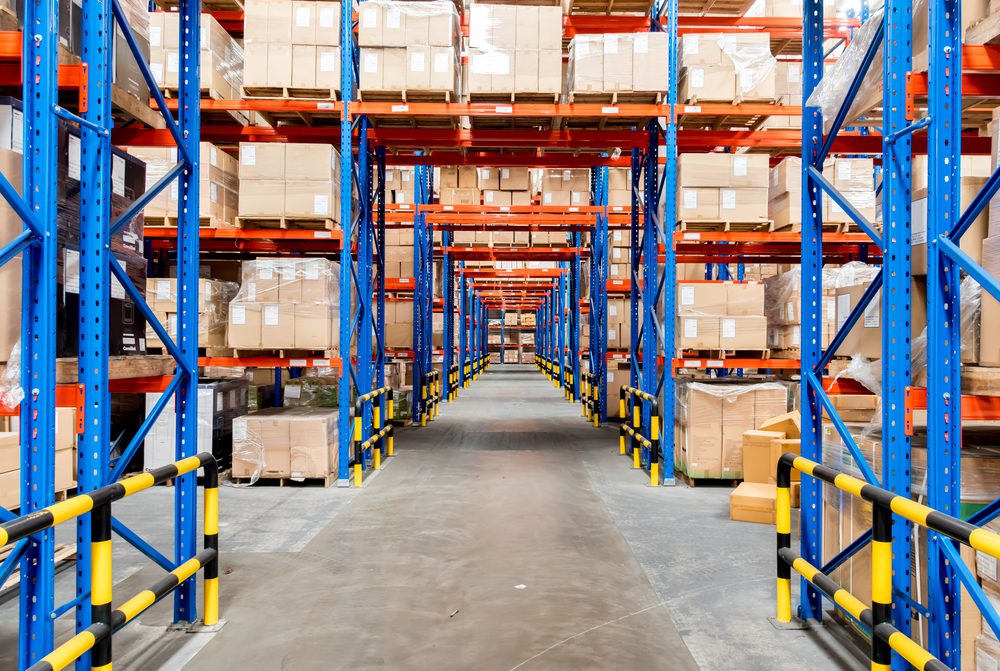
point(409, 49)
point(617, 64)
point(727, 67)
point(514, 49)
point(221, 56)
point(289, 304)
point(852, 177)
point(286, 443)
point(213, 309)
point(289, 185)
point(218, 189)
point(292, 48)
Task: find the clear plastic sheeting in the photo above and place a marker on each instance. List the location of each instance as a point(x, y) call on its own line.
point(285, 443)
point(214, 297)
point(971, 302)
point(11, 392)
point(287, 304)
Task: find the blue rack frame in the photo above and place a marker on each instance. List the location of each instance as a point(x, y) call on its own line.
point(599, 288)
point(38, 247)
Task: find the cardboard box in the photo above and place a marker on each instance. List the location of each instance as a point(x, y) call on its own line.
point(514, 179)
point(496, 198)
point(586, 64)
point(712, 83)
point(244, 325)
point(309, 199)
point(753, 502)
point(748, 170)
point(550, 73)
point(649, 48)
point(328, 67)
point(971, 241)
point(303, 23)
point(701, 49)
point(700, 203)
point(745, 299)
point(699, 333)
point(277, 326)
point(757, 464)
point(743, 204)
point(418, 68)
point(444, 70)
point(618, 62)
point(311, 161)
point(489, 179)
point(743, 332)
point(705, 170)
point(262, 160)
point(701, 298)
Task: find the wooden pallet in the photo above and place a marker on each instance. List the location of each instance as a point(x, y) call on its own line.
point(209, 117)
point(407, 96)
point(722, 225)
point(312, 355)
point(705, 482)
point(119, 367)
point(64, 556)
point(283, 480)
point(615, 98)
point(288, 92)
point(717, 7)
point(827, 228)
point(287, 223)
point(206, 5)
point(609, 6)
point(720, 354)
point(504, 100)
point(174, 222)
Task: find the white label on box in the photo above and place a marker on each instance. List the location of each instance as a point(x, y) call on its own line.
point(293, 391)
point(328, 61)
point(612, 334)
point(844, 170)
point(117, 290)
point(118, 175)
point(369, 17)
point(843, 309)
point(441, 62)
point(265, 270)
point(240, 429)
point(213, 192)
point(609, 109)
point(690, 328)
point(728, 43)
point(611, 376)
point(271, 313)
point(320, 363)
point(697, 76)
point(393, 18)
point(505, 173)
point(918, 222)
point(641, 42)
point(311, 270)
point(690, 199)
point(326, 15)
point(610, 44)
point(220, 401)
point(613, 310)
point(213, 155)
point(251, 290)
point(287, 271)
point(163, 290)
point(796, 336)
point(873, 314)
point(248, 154)
point(488, 196)
point(740, 166)
point(546, 198)
point(417, 62)
point(173, 62)
point(239, 314)
point(155, 37)
point(74, 157)
point(728, 328)
point(371, 62)
point(687, 294)
point(321, 204)
point(71, 272)
point(986, 566)
point(302, 17)
point(691, 44)
point(728, 199)
point(831, 312)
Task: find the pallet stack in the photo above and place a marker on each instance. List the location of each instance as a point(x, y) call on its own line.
point(722, 192)
point(295, 185)
point(727, 68)
point(222, 57)
point(515, 53)
point(615, 68)
point(853, 177)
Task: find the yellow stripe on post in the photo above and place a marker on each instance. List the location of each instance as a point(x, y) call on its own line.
point(211, 511)
point(654, 431)
point(784, 600)
point(377, 458)
point(134, 606)
point(635, 457)
point(391, 445)
point(211, 602)
point(187, 569)
point(621, 444)
point(849, 484)
point(357, 429)
point(377, 416)
point(909, 650)
point(654, 474)
point(100, 578)
point(70, 651)
point(783, 510)
point(357, 475)
point(881, 572)
point(805, 569)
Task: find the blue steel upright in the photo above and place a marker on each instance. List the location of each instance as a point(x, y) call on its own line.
point(463, 322)
point(574, 311)
point(364, 226)
point(668, 278)
point(650, 279)
point(38, 322)
point(380, 276)
point(447, 266)
point(599, 290)
point(347, 59)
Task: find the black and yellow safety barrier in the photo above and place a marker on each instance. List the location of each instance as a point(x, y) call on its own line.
point(453, 380)
point(630, 407)
point(548, 368)
point(589, 397)
point(382, 435)
point(106, 620)
point(877, 617)
point(430, 396)
point(480, 365)
point(567, 383)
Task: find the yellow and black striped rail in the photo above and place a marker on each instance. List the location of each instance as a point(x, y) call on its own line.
point(568, 383)
point(630, 406)
point(382, 435)
point(590, 397)
point(453, 380)
point(468, 374)
point(482, 364)
point(107, 620)
point(885, 638)
point(430, 395)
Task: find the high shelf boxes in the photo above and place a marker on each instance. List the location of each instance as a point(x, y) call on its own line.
point(459, 185)
point(514, 49)
point(722, 187)
point(721, 316)
point(221, 56)
point(727, 67)
point(617, 63)
point(852, 177)
point(409, 47)
point(288, 304)
point(289, 181)
point(292, 45)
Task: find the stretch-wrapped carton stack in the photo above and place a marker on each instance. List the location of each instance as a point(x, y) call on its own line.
point(292, 45)
point(289, 181)
point(852, 177)
point(617, 63)
point(722, 187)
point(286, 304)
point(410, 47)
point(727, 67)
point(213, 309)
point(783, 305)
point(716, 315)
point(515, 49)
point(285, 443)
point(218, 190)
point(221, 57)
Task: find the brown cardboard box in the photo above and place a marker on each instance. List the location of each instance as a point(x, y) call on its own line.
point(780, 447)
point(514, 179)
point(863, 201)
point(757, 464)
point(244, 325)
point(444, 73)
point(753, 502)
point(393, 25)
point(262, 160)
point(743, 332)
point(279, 64)
point(649, 48)
point(712, 83)
point(489, 179)
point(618, 62)
point(262, 198)
point(526, 70)
point(10, 451)
point(308, 199)
point(496, 198)
point(787, 424)
point(748, 170)
point(304, 66)
point(328, 67)
point(616, 377)
point(745, 299)
point(418, 68)
point(371, 67)
point(311, 442)
point(417, 28)
point(277, 326)
point(313, 324)
point(743, 204)
point(701, 453)
point(310, 161)
point(697, 170)
point(279, 22)
point(586, 64)
point(10, 273)
point(698, 204)
point(737, 418)
point(698, 333)
point(520, 198)
point(303, 22)
point(550, 75)
point(972, 239)
point(701, 49)
point(394, 73)
point(702, 298)
point(327, 23)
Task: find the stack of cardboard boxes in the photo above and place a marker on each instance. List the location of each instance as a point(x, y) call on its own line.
point(409, 47)
point(783, 305)
point(716, 315)
point(754, 499)
point(292, 443)
point(459, 185)
point(286, 304)
point(852, 177)
point(619, 324)
point(292, 46)
point(722, 187)
point(399, 324)
point(10, 457)
point(399, 252)
point(515, 49)
point(213, 310)
point(218, 189)
point(221, 56)
point(399, 186)
point(619, 188)
point(727, 67)
point(289, 182)
point(713, 421)
point(617, 63)
point(788, 91)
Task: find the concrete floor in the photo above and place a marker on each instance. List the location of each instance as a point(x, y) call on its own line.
point(508, 534)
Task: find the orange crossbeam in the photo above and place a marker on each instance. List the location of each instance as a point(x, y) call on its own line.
point(974, 408)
